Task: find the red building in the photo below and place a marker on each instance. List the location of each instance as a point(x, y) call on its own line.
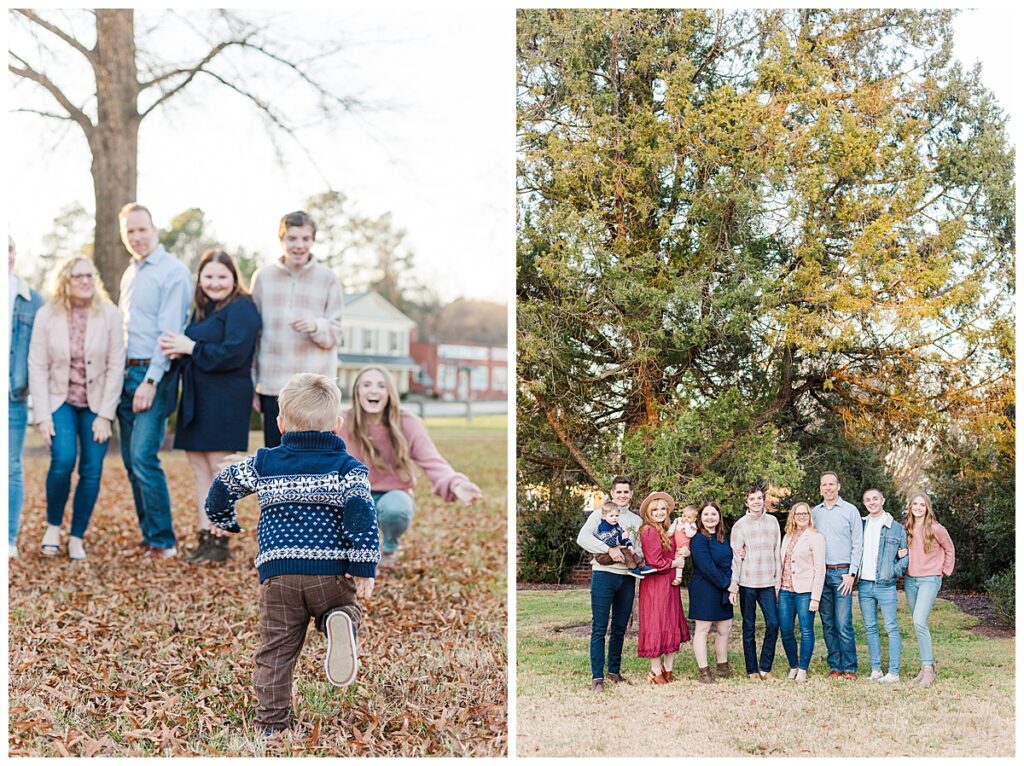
point(460, 371)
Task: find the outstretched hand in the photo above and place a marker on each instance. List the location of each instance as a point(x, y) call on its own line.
point(467, 492)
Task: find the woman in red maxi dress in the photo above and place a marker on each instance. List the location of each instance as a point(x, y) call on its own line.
point(662, 622)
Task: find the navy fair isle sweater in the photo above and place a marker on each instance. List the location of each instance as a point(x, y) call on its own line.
point(316, 512)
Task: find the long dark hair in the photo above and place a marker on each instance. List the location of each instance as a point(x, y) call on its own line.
point(200, 302)
point(719, 530)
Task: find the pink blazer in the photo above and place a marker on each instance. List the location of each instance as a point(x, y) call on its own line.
point(808, 563)
point(49, 361)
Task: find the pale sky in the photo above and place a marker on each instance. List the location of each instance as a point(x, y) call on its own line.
point(439, 156)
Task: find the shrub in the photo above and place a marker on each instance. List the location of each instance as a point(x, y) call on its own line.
point(547, 531)
point(1001, 589)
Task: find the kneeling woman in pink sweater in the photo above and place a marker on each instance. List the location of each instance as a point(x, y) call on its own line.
point(388, 441)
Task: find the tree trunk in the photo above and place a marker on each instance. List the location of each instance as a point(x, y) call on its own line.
point(115, 139)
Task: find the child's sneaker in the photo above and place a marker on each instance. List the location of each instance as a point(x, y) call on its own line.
point(342, 662)
point(636, 573)
point(647, 569)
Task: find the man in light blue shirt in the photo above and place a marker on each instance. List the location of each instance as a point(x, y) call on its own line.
point(839, 523)
point(156, 291)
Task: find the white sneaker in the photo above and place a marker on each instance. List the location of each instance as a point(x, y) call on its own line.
point(76, 550)
point(890, 678)
point(876, 675)
point(12, 551)
point(341, 663)
point(162, 553)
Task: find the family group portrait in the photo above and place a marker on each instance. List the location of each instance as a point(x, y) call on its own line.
point(765, 418)
point(257, 391)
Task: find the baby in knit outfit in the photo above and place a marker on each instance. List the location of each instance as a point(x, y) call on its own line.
point(611, 533)
point(318, 541)
point(683, 530)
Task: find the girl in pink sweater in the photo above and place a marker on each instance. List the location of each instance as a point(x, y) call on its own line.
point(931, 556)
point(389, 441)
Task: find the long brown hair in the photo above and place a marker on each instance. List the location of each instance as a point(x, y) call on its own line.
point(909, 521)
point(392, 421)
point(719, 530)
point(662, 527)
point(62, 285)
point(200, 302)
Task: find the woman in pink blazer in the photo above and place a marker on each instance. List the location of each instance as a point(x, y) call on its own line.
point(799, 587)
point(76, 370)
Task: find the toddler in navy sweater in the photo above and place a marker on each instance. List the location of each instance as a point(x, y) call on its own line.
point(611, 533)
point(318, 541)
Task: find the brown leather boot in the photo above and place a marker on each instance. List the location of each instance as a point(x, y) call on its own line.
point(704, 676)
point(722, 670)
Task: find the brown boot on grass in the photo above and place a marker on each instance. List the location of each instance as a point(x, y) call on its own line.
point(704, 676)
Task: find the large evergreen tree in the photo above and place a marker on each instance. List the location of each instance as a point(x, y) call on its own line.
point(739, 226)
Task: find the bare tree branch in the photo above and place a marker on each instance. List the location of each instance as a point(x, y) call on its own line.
point(44, 114)
point(191, 72)
point(55, 30)
point(27, 72)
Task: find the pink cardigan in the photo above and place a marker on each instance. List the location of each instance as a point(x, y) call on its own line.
point(808, 563)
point(421, 450)
point(938, 561)
point(49, 361)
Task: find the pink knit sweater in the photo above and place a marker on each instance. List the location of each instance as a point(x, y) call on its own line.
point(938, 561)
point(422, 451)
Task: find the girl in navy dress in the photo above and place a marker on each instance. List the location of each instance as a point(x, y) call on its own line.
point(710, 600)
point(215, 361)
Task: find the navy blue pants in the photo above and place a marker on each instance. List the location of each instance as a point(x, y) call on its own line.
point(611, 597)
point(764, 598)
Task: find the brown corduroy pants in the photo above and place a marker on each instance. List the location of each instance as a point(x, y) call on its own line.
point(286, 604)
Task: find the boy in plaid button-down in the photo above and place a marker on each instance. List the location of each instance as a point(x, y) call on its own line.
point(756, 566)
point(300, 303)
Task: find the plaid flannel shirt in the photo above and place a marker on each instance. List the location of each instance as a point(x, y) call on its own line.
point(282, 296)
point(762, 565)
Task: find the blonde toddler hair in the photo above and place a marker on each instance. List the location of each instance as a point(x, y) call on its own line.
point(309, 402)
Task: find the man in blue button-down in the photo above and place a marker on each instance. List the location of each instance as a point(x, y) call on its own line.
point(156, 292)
point(839, 523)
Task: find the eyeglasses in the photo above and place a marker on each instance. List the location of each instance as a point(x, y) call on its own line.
point(86, 277)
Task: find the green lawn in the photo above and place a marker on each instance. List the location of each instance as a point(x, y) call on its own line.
point(968, 711)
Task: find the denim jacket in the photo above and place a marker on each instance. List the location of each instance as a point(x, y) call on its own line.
point(892, 539)
point(21, 336)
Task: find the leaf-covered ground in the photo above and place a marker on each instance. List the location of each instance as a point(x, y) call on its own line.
point(119, 655)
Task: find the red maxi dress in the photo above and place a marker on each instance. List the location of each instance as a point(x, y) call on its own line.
point(662, 622)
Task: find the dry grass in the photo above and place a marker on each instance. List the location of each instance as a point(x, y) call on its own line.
point(968, 711)
point(121, 656)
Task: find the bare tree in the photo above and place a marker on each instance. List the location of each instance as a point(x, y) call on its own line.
point(131, 83)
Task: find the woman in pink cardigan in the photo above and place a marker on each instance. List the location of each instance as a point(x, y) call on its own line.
point(799, 586)
point(76, 370)
point(932, 556)
point(389, 441)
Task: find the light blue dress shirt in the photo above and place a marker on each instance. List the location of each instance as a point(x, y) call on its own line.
point(843, 530)
point(156, 293)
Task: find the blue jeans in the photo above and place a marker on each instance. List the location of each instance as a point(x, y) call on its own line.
point(873, 597)
point(764, 598)
point(611, 595)
point(394, 514)
point(142, 434)
point(837, 623)
point(73, 427)
point(796, 606)
point(921, 593)
point(17, 422)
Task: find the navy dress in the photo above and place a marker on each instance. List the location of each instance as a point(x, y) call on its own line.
point(216, 380)
point(712, 574)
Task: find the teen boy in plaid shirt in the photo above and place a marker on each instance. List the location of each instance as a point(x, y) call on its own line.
point(300, 302)
point(755, 571)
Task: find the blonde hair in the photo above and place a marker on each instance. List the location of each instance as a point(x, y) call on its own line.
point(62, 285)
point(392, 422)
point(134, 207)
point(910, 521)
point(692, 508)
point(309, 402)
point(791, 521)
point(662, 527)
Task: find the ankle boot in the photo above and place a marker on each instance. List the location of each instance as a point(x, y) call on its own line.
point(704, 675)
point(927, 676)
point(722, 670)
point(199, 552)
point(219, 550)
